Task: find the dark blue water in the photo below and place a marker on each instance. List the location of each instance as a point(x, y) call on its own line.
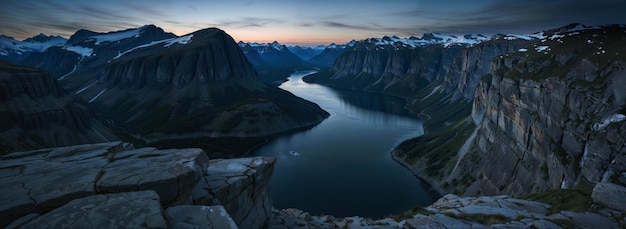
point(342, 166)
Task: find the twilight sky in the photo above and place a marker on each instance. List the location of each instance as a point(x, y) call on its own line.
point(305, 21)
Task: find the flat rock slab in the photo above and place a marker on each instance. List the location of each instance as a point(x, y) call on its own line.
point(590, 220)
point(123, 210)
point(48, 178)
point(168, 172)
point(41, 180)
point(610, 195)
point(199, 217)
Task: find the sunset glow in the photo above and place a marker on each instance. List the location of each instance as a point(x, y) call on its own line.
point(304, 22)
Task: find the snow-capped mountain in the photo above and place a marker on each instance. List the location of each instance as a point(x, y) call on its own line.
point(444, 40)
point(13, 50)
point(273, 61)
point(91, 49)
point(147, 81)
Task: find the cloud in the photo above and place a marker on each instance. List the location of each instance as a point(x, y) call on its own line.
point(66, 17)
point(247, 22)
point(373, 27)
point(518, 16)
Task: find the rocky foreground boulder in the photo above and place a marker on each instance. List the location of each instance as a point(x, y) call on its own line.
point(452, 211)
point(112, 185)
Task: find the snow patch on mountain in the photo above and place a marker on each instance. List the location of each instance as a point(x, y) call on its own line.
point(426, 40)
point(117, 36)
point(9, 44)
point(180, 40)
point(542, 48)
point(608, 120)
point(168, 42)
point(83, 51)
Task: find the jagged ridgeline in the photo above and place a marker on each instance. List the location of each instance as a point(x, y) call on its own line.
point(510, 114)
point(149, 85)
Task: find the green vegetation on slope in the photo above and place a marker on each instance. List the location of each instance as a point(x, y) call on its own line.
point(447, 123)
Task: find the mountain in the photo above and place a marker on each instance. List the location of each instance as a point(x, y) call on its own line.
point(12, 50)
point(152, 86)
point(305, 53)
point(508, 114)
point(330, 53)
point(88, 49)
point(193, 86)
point(552, 115)
point(272, 54)
point(273, 61)
point(37, 113)
point(391, 64)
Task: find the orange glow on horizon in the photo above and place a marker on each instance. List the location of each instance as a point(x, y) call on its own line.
point(284, 36)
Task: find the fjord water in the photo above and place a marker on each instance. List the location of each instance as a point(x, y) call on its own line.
point(342, 166)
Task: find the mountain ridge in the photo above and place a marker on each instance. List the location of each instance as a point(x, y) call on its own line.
point(440, 83)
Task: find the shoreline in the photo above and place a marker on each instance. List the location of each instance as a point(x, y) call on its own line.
point(434, 185)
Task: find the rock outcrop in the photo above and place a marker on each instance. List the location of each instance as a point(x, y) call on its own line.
point(109, 184)
point(38, 113)
point(129, 209)
point(551, 117)
point(232, 182)
point(452, 211)
point(610, 195)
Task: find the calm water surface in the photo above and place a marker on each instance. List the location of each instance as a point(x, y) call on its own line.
point(342, 166)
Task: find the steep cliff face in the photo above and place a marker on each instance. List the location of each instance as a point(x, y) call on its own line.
point(392, 68)
point(201, 57)
point(37, 112)
point(550, 116)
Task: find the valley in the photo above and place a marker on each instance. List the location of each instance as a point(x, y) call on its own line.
point(334, 166)
point(507, 130)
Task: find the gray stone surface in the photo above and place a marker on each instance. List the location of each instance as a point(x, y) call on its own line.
point(590, 220)
point(610, 195)
point(544, 224)
point(532, 120)
point(422, 223)
point(123, 210)
point(240, 185)
point(449, 222)
point(50, 178)
point(170, 172)
point(46, 179)
point(199, 217)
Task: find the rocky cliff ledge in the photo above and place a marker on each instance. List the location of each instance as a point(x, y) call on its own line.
point(456, 212)
point(551, 117)
point(111, 185)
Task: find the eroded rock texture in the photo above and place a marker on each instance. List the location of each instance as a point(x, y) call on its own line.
point(90, 180)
